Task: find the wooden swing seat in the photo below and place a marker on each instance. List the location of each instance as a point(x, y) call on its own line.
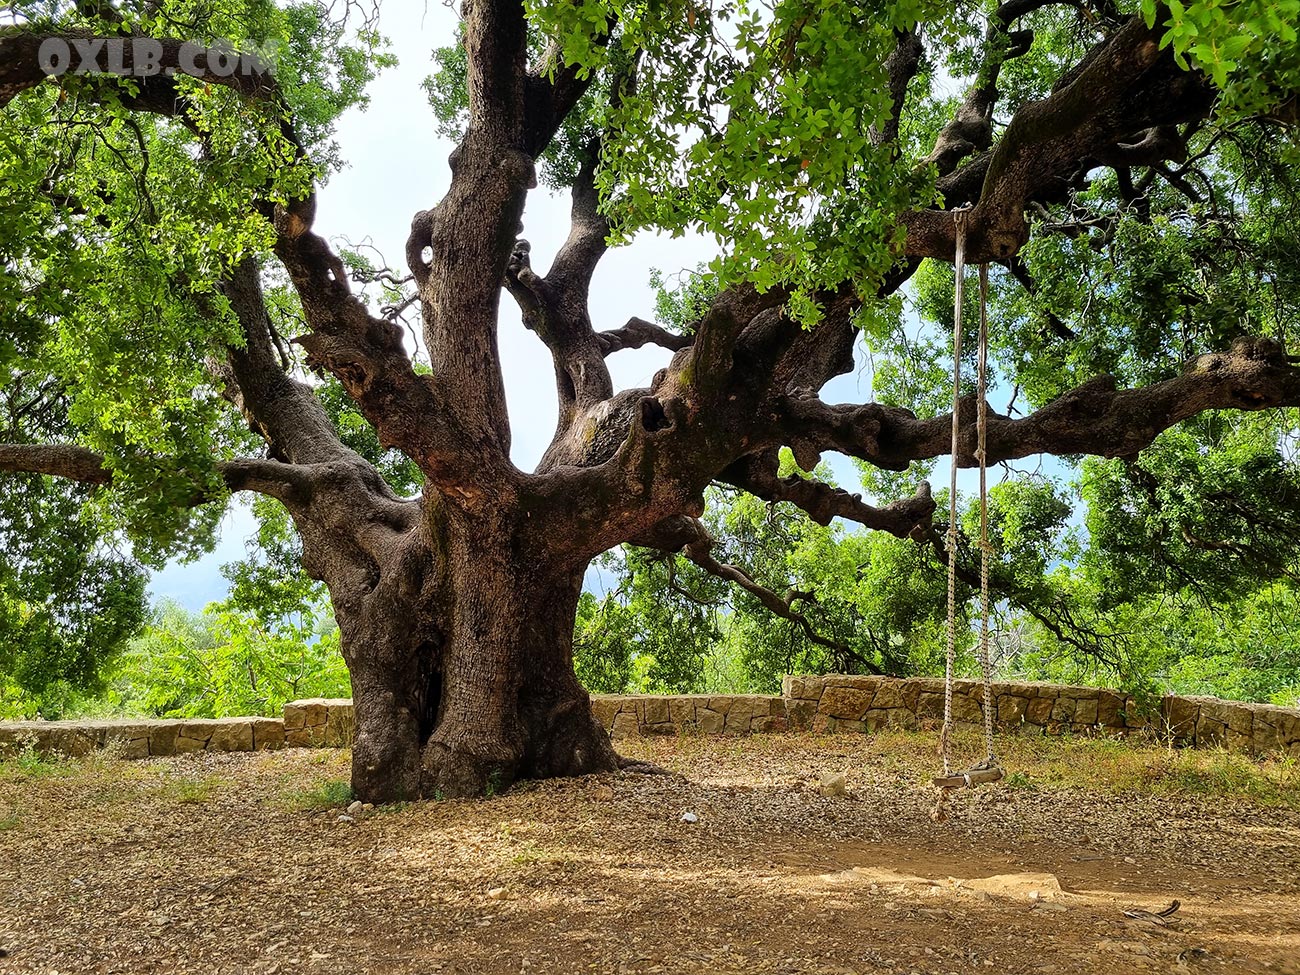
point(970, 778)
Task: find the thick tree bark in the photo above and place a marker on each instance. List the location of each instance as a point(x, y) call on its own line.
point(396, 682)
point(511, 704)
point(462, 668)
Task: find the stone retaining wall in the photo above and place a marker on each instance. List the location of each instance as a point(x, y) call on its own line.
point(818, 704)
point(864, 704)
point(142, 739)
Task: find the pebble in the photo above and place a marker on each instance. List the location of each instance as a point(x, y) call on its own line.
point(690, 817)
point(355, 808)
point(345, 818)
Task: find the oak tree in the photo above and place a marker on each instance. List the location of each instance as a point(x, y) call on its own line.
point(164, 272)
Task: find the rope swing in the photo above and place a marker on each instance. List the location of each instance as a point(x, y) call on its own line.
point(988, 770)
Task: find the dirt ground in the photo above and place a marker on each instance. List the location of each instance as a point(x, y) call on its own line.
point(215, 863)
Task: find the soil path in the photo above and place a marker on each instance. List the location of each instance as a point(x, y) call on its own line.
point(209, 864)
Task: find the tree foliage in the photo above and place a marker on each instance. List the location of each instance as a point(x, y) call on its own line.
point(118, 226)
point(224, 662)
point(1118, 597)
point(68, 604)
point(68, 600)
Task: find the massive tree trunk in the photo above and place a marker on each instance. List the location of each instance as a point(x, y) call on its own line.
point(511, 704)
point(462, 667)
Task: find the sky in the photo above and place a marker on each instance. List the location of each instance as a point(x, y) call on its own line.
point(397, 166)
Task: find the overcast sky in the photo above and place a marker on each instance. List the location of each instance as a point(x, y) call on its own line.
point(398, 165)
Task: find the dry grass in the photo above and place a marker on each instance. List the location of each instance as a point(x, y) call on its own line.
point(1104, 766)
point(1115, 767)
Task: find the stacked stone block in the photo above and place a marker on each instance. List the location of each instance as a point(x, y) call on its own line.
point(318, 722)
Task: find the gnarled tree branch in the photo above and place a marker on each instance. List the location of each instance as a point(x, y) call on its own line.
point(21, 70)
point(1123, 88)
point(469, 237)
point(758, 474)
point(285, 482)
point(58, 460)
point(901, 67)
point(700, 551)
point(555, 307)
point(637, 333)
point(366, 353)
point(284, 411)
point(1095, 418)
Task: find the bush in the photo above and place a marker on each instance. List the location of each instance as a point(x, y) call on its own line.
point(221, 663)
